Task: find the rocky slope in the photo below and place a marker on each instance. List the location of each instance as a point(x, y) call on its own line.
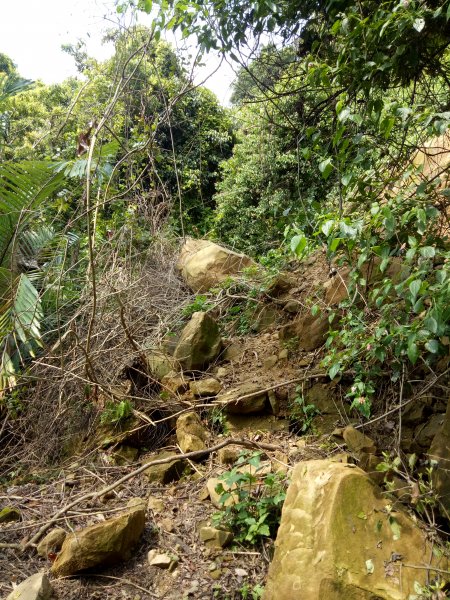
point(243, 368)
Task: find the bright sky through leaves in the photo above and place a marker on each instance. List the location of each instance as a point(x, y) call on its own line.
point(31, 34)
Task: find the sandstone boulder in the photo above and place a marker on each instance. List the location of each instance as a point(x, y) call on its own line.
point(36, 587)
point(215, 538)
point(205, 387)
point(255, 424)
point(52, 542)
point(310, 332)
point(191, 434)
point(166, 472)
point(104, 543)
point(440, 452)
point(341, 539)
point(204, 264)
point(247, 398)
point(200, 342)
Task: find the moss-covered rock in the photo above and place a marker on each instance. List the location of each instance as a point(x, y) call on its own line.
point(9, 514)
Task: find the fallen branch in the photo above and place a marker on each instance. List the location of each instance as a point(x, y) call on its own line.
point(161, 461)
point(274, 387)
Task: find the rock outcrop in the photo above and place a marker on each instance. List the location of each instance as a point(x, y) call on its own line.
point(104, 543)
point(200, 342)
point(341, 539)
point(204, 264)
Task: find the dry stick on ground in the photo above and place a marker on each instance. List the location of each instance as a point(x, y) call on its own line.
point(141, 469)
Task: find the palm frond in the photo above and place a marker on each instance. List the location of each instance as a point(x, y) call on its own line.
point(23, 188)
point(20, 323)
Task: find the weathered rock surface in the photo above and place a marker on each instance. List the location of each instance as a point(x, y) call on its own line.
point(162, 560)
point(167, 472)
point(357, 441)
point(9, 514)
point(310, 332)
point(205, 387)
point(200, 342)
point(247, 398)
point(255, 423)
point(191, 434)
point(104, 543)
point(339, 539)
point(36, 587)
point(204, 264)
point(160, 364)
point(215, 538)
point(440, 452)
point(52, 542)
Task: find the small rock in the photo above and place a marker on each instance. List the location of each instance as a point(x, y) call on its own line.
point(205, 387)
point(9, 514)
point(222, 372)
point(36, 587)
point(162, 561)
point(52, 542)
point(174, 383)
point(274, 402)
point(283, 354)
point(233, 352)
point(270, 362)
point(211, 485)
point(228, 456)
point(232, 402)
point(191, 434)
point(292, 307)
point(155, 504)
point(125, 455)
point(168, 525)
point(137, 502)
point(215, 538)
point(358, 442)
point(165, 473)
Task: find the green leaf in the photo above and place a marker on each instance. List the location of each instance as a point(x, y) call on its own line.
point(427, 251)
point(298, 244)
point(414, 288)
point(432, 346)
point(334, 370)
point(327, 227)
point(326, 167)
point(413, 352)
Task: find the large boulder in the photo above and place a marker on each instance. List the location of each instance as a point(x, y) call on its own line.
point(204, 264)
point(200, 342)
point(341, 539)
point(104, 543)
point(36, 587)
